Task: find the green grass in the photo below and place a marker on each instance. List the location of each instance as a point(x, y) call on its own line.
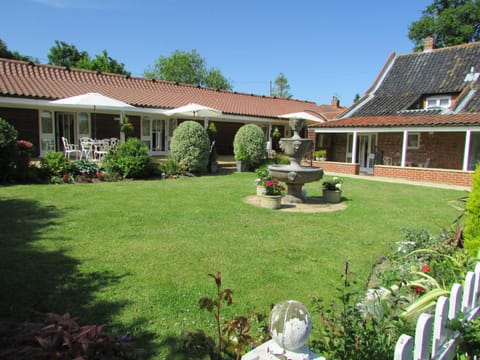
point(137, 254)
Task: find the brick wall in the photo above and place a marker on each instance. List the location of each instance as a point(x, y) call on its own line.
point(443, 176)
point(338, 167)
point(445, 150)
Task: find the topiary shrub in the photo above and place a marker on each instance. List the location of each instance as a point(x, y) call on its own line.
point(190, 146)
point(130, 160)
point(249, 146)
point(8, 148)
point(472, 224)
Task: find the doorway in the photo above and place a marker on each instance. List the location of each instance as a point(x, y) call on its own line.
point(367, 144)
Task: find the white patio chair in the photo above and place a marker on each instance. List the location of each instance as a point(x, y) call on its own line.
point(101, 149)
point(70, 149)
point(425, 164)
point(87, 145)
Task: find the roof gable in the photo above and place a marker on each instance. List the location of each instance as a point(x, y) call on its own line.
point(414, 76)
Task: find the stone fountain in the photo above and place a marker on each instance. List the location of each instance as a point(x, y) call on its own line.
point(294, 174)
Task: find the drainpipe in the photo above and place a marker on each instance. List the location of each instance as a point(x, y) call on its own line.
point(354, 147)
point(466, 151)
point(404, 148)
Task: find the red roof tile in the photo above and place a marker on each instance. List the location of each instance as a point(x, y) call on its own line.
point(23, 79)
point(463, 119)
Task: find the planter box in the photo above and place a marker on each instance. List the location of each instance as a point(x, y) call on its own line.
point(332, 196)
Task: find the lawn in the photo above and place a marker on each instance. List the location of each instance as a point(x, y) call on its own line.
point(136, 254)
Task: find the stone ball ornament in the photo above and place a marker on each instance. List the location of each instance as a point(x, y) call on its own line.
point(290, 325)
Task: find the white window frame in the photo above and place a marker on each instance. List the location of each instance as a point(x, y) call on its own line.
point(437, 102)
point(416, 144)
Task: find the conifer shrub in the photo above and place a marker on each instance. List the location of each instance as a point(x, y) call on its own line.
point(472, 224)
point(249, 146)
point(190, 146)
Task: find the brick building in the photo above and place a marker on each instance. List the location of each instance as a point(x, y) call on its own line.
point(28, 92)
point(419, 120)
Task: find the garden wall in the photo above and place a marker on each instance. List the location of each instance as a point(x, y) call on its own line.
point(443, 176)
point(338, 167)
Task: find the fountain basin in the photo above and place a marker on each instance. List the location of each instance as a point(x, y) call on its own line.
point(295, 177)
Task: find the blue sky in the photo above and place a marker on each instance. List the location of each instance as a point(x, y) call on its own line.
point(324, 48)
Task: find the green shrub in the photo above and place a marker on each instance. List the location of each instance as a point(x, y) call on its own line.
point(130, 160)
point(170, 167)
point(190, 146)
point(8, 148)
point(84, 167)
point(472, 225)
point(249, 145)
point(54, 164)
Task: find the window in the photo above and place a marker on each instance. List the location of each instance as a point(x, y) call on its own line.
point(438, 102)
point(414, 141)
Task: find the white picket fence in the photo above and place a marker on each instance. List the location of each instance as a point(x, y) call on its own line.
point(433, 340)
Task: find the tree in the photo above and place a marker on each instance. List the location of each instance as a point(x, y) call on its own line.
point(102, 63)
point(281, 88)
point(450, 22)
point(63, 54)
point(188, 68)
point(7, 54)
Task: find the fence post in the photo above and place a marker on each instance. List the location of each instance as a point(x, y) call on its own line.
point(437, 341)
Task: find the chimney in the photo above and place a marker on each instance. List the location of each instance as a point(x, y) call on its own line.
point(335, 102)
point(428, 44)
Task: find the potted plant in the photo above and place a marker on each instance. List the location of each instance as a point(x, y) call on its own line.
point(332, 190)
point(320, 155)
point(271, 197)
point(240, 157)
point(262, 177)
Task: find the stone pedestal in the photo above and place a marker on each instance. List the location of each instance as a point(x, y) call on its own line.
point(290, 327)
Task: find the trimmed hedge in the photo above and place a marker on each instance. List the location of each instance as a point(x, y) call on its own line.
point(190, 146)
point(249, 146)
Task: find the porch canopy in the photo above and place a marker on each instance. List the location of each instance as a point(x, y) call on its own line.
point(195, 111)
point(95, 102)
point(303, 115)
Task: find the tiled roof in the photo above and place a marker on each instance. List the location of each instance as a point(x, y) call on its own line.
point(409, 77)
point(28, 80)
point(433, 120)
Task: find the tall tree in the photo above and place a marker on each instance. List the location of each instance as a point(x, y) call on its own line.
point(189, 68)
point(102, 63)
point(7, 54)
point(63, 54)
point(281, 88)
point(450, 22)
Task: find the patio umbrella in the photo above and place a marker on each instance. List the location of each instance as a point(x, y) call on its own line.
point(194, 110)
point(303, 115)
point(95, 102)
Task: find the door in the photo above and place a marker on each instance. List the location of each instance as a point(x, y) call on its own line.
point(157, 133)
point(47, 132)
point(65, 127)
point(366, 152)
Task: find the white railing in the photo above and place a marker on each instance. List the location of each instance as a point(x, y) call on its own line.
point(433, 340)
